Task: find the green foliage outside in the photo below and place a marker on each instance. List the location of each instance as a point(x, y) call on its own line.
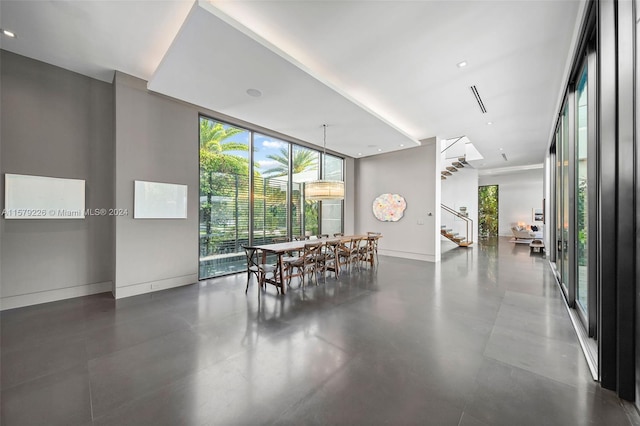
point(224, 191)
point(488, 211)
point(303, 160)
point(220, 169)
point(582, 222)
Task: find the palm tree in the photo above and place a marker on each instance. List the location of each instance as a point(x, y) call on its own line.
point(216, 159)
point(303, 159)
point(215, 153)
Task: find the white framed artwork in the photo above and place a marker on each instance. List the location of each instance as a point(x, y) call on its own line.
point(42, 197)
point(158, 200)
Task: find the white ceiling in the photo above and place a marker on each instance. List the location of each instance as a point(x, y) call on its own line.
point(379, 73)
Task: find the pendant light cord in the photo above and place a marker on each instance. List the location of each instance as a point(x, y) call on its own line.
point(325, 139)
point(324, 148)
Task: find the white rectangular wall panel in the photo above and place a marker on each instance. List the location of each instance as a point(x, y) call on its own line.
point(40, 197)
point(155, 200)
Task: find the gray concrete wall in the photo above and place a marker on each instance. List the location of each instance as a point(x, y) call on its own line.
point(60, 124)
point(415, 174)
point(55, 123)
point(156, 140)
point(349, 196)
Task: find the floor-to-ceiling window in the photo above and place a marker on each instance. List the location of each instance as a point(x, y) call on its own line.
point(574, 150)
point(224, 197)
point(488, 211)
point(304, 213)
point(331, 212)
point(581, 193)
point(270, 187)
point(558, 201)
point(252, 192)
point(564, 142)
point(595, 200)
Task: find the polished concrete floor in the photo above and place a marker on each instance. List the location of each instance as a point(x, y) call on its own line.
point(482, 338)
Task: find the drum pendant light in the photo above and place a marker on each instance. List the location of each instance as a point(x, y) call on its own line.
point(318, 190)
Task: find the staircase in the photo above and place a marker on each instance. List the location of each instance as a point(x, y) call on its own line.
point(453, 168)
point(461, 241)
point(456, 162)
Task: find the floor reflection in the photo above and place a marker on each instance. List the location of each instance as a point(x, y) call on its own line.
point(481, 337)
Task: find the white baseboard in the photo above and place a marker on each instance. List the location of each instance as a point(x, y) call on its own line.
point(152, 286)
point(409, 255)
point(19, 301)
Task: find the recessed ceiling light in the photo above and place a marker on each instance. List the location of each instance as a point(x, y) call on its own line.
point(379, 149)
point(489, 123)
point(401, 144)
point(359, 153)
point(500, 149)
point(9, 33)
point(462, 64)
point(254, 93)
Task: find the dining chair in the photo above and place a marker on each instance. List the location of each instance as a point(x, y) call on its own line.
point(365, 252)
point(278, 240)
point(260, 270)
point(372, 238)
point(348, 253)
point(307, 263)
point(330, 259)
point(338, 234)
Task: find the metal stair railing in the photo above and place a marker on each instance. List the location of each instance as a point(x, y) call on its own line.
point(468, 222)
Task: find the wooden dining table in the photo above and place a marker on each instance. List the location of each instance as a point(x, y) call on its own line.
point(280, 249)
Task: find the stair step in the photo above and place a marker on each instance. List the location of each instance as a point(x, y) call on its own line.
point(443, 178)
point(445, 173)
point(458, 164)
point(452, 169)
point(463, 160)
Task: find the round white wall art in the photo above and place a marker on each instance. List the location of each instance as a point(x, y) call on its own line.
point(389, 207)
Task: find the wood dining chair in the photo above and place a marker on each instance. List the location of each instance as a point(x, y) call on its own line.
point(305, 264)
point(330, 259)
point(372, 238)
point(348, 253)
point(260, 270)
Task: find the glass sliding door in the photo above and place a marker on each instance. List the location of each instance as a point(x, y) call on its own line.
point(558, 202)
point(575, 191)
point(576, 178)
point(565, 198)
point(224, 197)
point(581, 194)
